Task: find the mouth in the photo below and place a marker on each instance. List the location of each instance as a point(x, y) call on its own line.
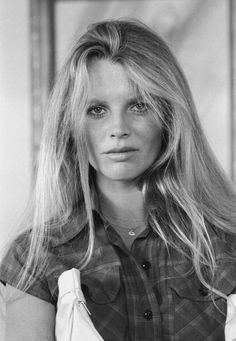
point(121, 154)
point(121, 150)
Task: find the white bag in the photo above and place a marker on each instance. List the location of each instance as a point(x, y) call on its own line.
point(230, 325)
point(72, 319)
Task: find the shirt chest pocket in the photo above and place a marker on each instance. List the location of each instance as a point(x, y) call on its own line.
point(196, 315)
point(101, 285)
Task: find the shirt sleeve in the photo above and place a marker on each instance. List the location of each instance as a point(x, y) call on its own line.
point(12, 265)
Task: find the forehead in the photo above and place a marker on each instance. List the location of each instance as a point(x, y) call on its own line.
point(108, 79)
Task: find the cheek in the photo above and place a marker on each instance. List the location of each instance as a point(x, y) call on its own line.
point(94, 139)
point(154, 139)
point(90, 138)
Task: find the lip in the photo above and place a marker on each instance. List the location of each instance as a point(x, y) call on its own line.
point(121, 150)
point(121, 154)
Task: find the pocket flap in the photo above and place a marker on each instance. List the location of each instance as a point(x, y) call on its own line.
point(191, 289)
point(189, 286)
point(102, 284)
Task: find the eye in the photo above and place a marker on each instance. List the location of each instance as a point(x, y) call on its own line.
point(139, 107)
point(96, 111)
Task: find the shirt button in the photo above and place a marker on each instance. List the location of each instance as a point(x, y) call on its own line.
point(147, 315)
point(146, 265)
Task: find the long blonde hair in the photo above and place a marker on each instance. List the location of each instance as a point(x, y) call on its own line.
point(185, 190)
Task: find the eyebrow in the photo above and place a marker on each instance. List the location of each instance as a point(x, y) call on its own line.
point(98, 101)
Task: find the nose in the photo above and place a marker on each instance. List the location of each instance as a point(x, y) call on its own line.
point(119, 126)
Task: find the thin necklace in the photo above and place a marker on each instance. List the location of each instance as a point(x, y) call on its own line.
point(132, 232)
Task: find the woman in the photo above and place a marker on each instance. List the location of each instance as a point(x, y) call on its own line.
point(129, 192)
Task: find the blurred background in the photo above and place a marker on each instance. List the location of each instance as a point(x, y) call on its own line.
point(34, 39)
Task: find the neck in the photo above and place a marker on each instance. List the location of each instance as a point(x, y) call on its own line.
point(122, 204)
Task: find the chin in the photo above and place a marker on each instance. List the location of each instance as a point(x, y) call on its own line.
point(121, 176)
point(119, 173)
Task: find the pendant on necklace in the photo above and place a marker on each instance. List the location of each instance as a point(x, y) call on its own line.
point(131, 233)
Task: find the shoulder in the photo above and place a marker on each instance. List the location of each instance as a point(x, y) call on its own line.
point(16, 255)
point(13, 269)
point(224, 245)
point(65, 246)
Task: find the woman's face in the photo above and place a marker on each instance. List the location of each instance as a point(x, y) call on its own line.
point(123, 137)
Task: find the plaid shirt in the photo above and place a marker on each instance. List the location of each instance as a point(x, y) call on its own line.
point(145, 294)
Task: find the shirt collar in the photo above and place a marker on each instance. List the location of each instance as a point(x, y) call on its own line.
point(61, 234)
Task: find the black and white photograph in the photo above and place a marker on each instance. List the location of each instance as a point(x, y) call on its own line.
point(118, 170)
